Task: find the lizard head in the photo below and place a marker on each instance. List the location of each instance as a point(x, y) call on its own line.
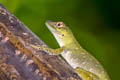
point(60, 31)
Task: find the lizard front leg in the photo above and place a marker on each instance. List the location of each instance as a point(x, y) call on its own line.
point(49, 50)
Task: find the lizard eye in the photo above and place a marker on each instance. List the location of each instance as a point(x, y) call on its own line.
point(59, 24)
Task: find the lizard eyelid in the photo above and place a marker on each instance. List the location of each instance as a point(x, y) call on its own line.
point(59, 24)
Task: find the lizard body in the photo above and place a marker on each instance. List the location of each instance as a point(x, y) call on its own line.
point(83, 62)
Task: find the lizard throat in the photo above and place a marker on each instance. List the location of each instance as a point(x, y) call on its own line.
point(62, 41)
point(59, 41)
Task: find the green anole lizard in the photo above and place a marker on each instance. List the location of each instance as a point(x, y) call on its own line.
point(83, 62)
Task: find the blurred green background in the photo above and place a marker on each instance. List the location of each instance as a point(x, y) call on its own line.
point(95, 24)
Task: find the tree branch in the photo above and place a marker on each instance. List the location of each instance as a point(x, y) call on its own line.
point(20, 61)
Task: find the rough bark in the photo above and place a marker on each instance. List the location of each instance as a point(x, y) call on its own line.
point(19, 61)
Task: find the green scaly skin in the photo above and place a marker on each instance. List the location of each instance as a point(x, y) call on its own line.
point(83, 62)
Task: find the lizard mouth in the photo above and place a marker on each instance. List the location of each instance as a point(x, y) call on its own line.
point(51, 25)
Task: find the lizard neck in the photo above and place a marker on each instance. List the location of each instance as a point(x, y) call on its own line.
point(67, 41)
